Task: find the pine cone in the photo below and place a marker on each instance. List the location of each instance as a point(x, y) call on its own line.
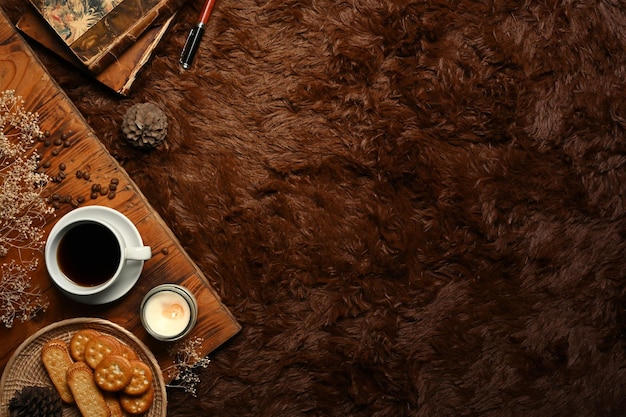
point(145, 125)
point(36, 402)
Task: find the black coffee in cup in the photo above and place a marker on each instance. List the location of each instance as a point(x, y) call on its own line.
point(89, 254)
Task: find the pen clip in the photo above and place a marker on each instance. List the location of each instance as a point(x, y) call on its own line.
point(191, 46)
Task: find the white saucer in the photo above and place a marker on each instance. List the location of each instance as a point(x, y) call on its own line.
point(130, 273)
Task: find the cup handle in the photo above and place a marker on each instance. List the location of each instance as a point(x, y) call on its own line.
point(139, 253)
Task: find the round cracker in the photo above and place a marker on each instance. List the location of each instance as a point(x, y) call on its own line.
point(137, 404)
point(99, 347)
point(141, 380)
point(128, 352)
point(113, 373)
point(78, 342)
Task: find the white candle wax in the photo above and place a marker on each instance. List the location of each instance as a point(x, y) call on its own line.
point(167, 313)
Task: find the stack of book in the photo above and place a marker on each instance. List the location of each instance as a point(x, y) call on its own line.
point(109, 39)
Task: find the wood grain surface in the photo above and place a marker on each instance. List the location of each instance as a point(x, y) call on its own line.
point(81, 150)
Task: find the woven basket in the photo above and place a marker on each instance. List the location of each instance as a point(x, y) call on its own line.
point(25, 368)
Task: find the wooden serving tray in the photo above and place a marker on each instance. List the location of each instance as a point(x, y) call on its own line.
point(21, 71)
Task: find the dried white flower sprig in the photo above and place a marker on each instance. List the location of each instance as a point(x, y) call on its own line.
point(188, 358)
point(17, 299)
point(22, 207)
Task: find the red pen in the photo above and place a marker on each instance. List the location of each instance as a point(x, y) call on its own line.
point(195, 35)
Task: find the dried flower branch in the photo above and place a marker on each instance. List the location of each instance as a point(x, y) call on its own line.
point(23, 209)
point(187, 359)
point(22, 206)
point(17, 299)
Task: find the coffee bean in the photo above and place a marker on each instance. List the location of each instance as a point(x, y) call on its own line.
point(62, 166)
point(55, 152)
point(104, 190)
point(46, 164)
point(75, 203)
point(56, 197)
point(96, 188)
point(67, 144)
point(67, 199)
point(111, 195)
point(47, 143)
point(62, 175)
point(165, 251)
point(58, 142)
point(46, 133)
point(79, 174)
point(80, 199)
point(94, 196)
point(56, 205)
point(115, 181)
point(64, 136)
point(113, 187)
point(86, 176)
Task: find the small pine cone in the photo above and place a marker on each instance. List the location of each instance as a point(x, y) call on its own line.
point(145, 125)
point(36, 402)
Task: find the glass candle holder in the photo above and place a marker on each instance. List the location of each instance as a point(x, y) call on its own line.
point(169, 312)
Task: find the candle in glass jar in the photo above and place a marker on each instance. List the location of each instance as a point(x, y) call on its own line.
point(168, 312)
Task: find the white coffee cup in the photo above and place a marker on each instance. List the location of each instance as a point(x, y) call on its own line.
point(86, 254)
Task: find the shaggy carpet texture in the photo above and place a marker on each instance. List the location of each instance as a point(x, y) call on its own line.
point(414, 208)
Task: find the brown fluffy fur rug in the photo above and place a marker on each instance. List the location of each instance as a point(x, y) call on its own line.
point(414, 208)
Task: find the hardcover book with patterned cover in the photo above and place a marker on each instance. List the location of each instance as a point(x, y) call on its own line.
point(98, 31)
point(119, 75)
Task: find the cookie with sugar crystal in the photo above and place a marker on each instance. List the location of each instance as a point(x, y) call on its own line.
point(57, 360)
point(79, 341)
point(89, 399)
point(137, 404)
point(128, 352)
point(113, 373)
point(99, 347)
point(141, 380)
